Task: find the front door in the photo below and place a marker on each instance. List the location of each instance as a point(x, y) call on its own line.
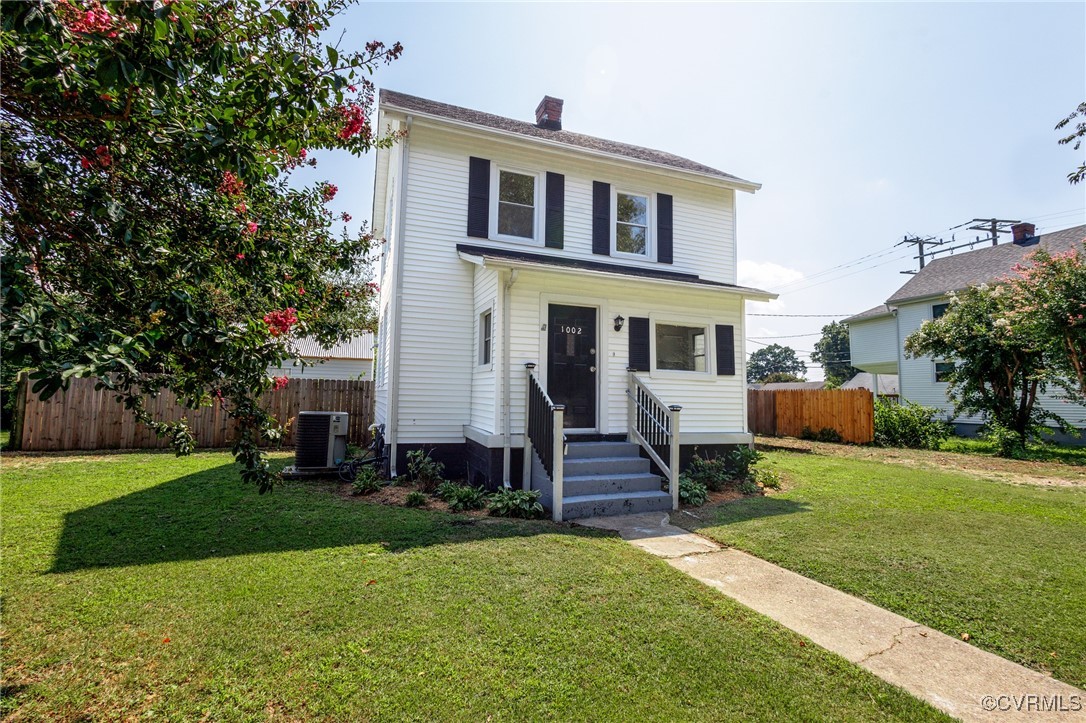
point(571, 363)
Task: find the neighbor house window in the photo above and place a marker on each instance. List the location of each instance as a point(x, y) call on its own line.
point(486, 337)
point(680, 348)
point(943, 370)
point(632, 224)
point(516, 204)
point(938, 310)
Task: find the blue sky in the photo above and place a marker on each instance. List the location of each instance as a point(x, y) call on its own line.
point(863, 122)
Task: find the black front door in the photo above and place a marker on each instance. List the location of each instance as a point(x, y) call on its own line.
point(571, 363)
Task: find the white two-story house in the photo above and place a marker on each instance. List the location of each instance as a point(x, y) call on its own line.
point(522, 259)
point(877, 336)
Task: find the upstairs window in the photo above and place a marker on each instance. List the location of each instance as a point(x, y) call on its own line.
point(943, 370)
point(516, 205)
point(938, 310)
point(632, 224)
point(681, 348)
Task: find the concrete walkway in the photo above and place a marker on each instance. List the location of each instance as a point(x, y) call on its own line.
point(955, 677)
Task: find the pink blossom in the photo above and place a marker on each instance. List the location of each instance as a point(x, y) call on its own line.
point(249, 228)
point(345, 217)
point(329, 191)
point(279, 322)
point(231, 185)
point(240, 257)
point(280, 382)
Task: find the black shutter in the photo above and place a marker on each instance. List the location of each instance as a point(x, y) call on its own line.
point(556, 214)
point(663, 228)
point(639, 344)
point(601, 218)
point(725, 350)
point(478, 197)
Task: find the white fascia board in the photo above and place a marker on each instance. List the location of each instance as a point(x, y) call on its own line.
point(753, 294)
point(518, 139)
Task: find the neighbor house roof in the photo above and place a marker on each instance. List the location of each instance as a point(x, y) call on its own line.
point(888, 384)
point(785, 386)
point(872, 313)
point(414, 104)
point(982, 266)
point(359, 347)
point(545, 261)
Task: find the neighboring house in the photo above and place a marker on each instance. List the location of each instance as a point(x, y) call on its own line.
point(349, 360)
point(509, 243)
point(887, 384)
point(777, 386)
point(877, 336)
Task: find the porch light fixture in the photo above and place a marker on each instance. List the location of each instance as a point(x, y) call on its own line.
point(619, 321)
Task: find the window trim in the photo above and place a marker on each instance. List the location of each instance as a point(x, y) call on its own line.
point(537, 237)
point(480, 359)
point(935, 369)
point(706, 325)
point(650, 224)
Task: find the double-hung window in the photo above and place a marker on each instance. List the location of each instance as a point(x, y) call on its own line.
point(680, 347)
point(486, 337)
point(943, 370)
point(517, 205)
point(632, 224)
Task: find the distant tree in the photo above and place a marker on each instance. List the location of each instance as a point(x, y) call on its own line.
point(833, 353)
point(998, 369)
point(774, 359)
point(1047, 302)
point(782, 378)
point(1075, 137)
point(150, 236)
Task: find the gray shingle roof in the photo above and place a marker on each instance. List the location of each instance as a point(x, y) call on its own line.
point(406, 102)
point(873, 312)
point(982, 266)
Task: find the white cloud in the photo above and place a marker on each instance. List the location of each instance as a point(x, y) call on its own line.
point(766, 274)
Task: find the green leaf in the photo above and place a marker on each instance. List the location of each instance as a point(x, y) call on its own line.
point(161, 29)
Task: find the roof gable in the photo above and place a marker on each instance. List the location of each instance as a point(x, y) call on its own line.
point(982, 266)
point(410, 103)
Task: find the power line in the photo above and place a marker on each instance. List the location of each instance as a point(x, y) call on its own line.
point(808, 316)
point(787, 336)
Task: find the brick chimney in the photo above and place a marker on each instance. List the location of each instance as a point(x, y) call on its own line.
point(1023, 232)
point(548, 114)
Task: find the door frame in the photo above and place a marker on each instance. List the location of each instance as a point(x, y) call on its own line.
point(602, 367)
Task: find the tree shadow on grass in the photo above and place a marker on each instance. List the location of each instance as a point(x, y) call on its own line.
point(210, 514)
point(748, 508)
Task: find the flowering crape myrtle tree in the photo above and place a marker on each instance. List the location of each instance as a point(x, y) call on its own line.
point(1048, 302)
point(150, 238)
point(998, 368)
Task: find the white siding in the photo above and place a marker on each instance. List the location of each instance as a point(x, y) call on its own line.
point(917, 377)
point(710, 403)
point(703, 216)
point(874, 345)
point(484, 379)
point(440, 388)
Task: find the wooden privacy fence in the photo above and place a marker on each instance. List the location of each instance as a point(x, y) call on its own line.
point(785, 412)
point(86, 418)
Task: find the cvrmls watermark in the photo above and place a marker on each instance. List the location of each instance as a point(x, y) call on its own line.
point(1032, 703)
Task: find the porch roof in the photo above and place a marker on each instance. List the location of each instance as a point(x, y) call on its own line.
point(523, 259)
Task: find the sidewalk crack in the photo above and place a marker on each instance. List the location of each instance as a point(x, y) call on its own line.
point(896, 639)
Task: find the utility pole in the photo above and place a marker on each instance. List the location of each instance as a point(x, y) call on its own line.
point(919, 243)
point(993, 226)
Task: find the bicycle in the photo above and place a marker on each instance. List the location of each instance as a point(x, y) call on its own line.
point(375, 456)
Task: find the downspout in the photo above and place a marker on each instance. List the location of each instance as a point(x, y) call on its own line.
point(507, 383)
point(397, 313)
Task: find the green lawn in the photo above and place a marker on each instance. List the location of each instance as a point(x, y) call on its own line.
point(1003, 563)
point(142, 584)
point(1063, 454)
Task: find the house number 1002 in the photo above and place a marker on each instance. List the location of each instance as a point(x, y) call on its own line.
point(571, 329)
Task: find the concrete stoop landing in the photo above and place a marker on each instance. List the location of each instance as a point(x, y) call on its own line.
point(953, 676)
point(603, 479)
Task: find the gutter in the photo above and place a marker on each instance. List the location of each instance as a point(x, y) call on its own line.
point(507, 374)
point(397, 311)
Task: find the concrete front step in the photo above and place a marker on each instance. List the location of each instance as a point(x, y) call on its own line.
point(599, 484)
point(623, 503)
point(584, 450)
point(579, 467)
